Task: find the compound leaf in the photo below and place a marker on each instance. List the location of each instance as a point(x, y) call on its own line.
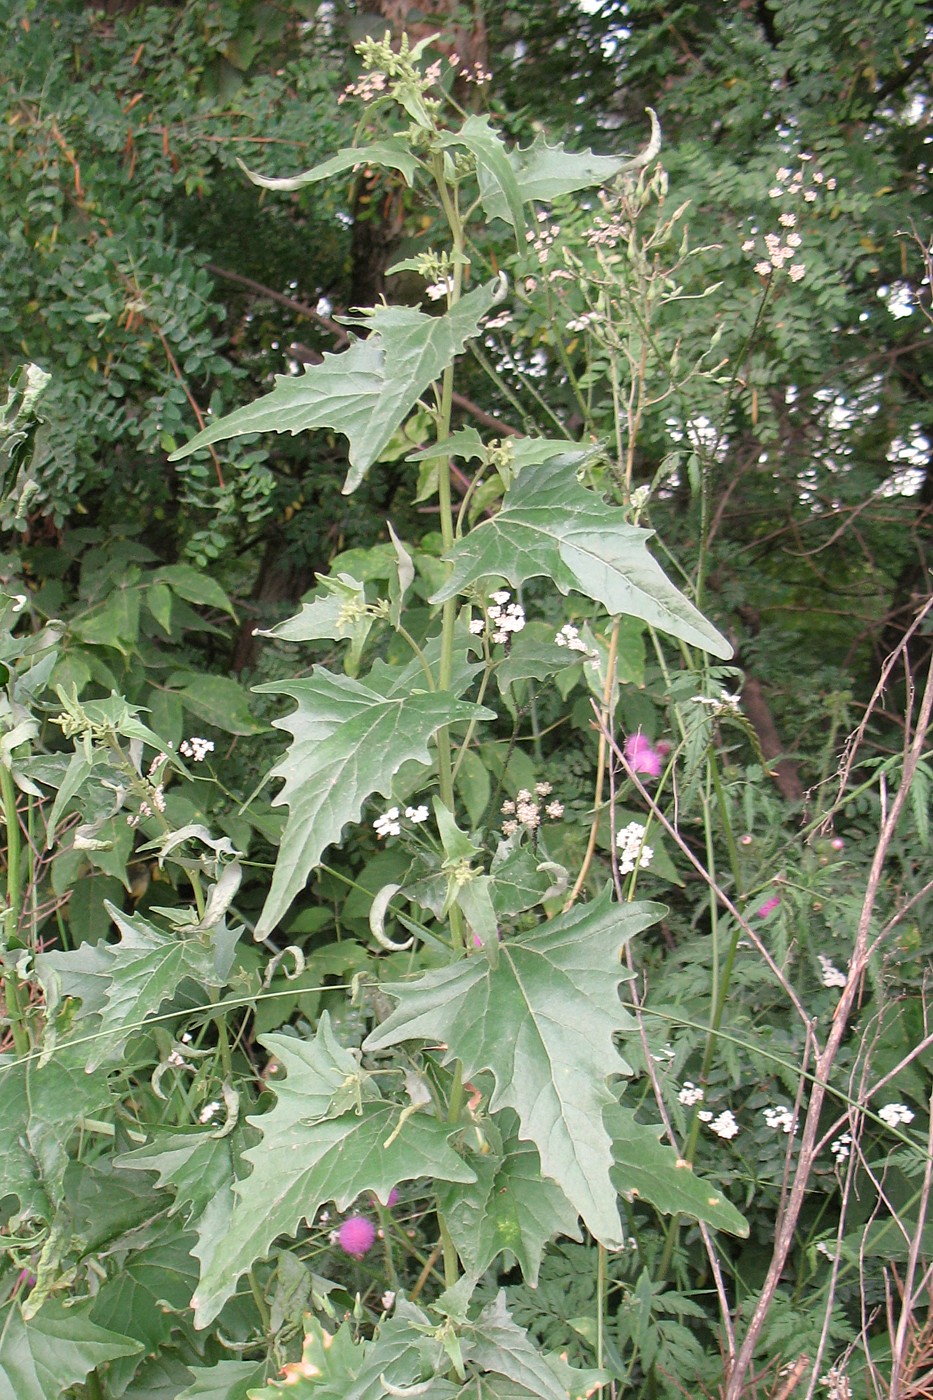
point(555, 993)
point(551, 525)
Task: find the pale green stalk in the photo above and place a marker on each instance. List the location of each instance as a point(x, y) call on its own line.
point(16, 1009)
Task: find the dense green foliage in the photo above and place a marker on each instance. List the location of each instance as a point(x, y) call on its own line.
point(549, 1012)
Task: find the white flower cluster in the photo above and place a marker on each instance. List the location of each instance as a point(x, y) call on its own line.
point(782, 247)
point(726, 704)
point(569, 637)
point(723, 1125)
point(390, 823)
point(830, 976)
point(503, 617)
point(895, 1113)
point(633, 853)
point(690, 1094)
point(780, 1118)
point(837, 1384)
point(526, 809)
point(580, 323)
point(543, 240)
point(196, 749)
point(841, 1147)
point(367, 87)
point(441, 288)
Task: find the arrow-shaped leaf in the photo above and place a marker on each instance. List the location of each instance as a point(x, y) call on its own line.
point(542, 173)
point(304, 1161)
point(366, 391)
point(349, 742)
point(551, 525)
point(542, 1022)
point(393, 154)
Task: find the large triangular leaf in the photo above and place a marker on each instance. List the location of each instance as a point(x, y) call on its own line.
point(40, 1106)
point(542, 1021)
point(647, 1168)
point(542, 173)
point(509, 1209)
point(227, 1380)
point(305, 1160)
point(145, 969)
point(349, 741)
point(147, 1294)
point(57, 1349)
point(366, 391)
point(497, 1345)
point(551, 525)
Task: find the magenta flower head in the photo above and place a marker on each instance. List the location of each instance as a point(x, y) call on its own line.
point(392, 1199)
point(356, 1236)
point(642, 756)
point(768, 907)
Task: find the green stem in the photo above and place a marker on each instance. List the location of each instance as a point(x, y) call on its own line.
point(13, 993)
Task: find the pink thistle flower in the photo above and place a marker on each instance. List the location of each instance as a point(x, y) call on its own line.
point(768, 907)
point(391, 1201)
point(642, 756)
point(356, 1236)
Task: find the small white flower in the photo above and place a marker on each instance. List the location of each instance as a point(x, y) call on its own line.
point(196, 749)
point(775, 193)
point(208, 1111)
point(705, 1116)
point(841, 1147)
point(762, 268)
point(783, 173)
point(809, 196)
point(477, 627)
point(724, 1125)
point(830, 976)
point(788, 220)
point(388, 823)
point(633, 853)
point(895, 1113)
point(837, 1384)
point(543, 789)
point(555, 810)
point(748, 246)
point(417, 815)
point(442, 288)
point(780, 1118)
point(690, 1094)
point(501, 596)
point(796, 272)
point(387, 1300)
